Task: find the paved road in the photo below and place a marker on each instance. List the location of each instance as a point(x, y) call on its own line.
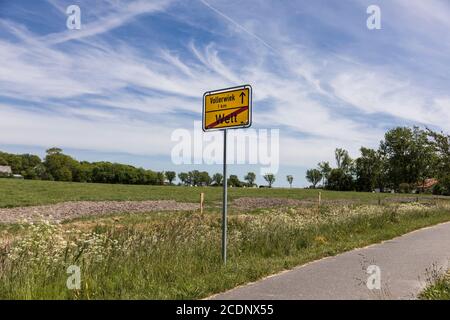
point(403, 263)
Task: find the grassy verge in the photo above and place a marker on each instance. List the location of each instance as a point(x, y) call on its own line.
point(14, 193)
point(177, 255)
point(438, 287)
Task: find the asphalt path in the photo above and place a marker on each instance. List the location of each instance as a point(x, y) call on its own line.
point(402, 266)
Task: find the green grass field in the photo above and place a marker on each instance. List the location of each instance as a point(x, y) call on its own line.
point(15, 193)
point(176, 255)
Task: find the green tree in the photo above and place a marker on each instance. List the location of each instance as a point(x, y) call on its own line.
point(40, 172)
point(83, 172)
point(234, 181)
point(102, 172)
point(250, 178)
point(150, 177)
point(217, 178)
point(194, 177)
point(343, 160)
point(53, 151)
point(20, 164)
point(171, 175)
point(440, 143)
point(426, 159)
point(409, 155)
point(270, 178)
point(15, 162)
point(313, 176)
point(339, 180)
point(28, 163)
point(325, 170)
point(205, 179)
point(184, 178)
point(160, 178)
point(369, 170)
point(290, 179)
point(62, 174)
point(60, 166)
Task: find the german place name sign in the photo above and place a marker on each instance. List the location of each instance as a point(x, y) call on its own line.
point(227, 108)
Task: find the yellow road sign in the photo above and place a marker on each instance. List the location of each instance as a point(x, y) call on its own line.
point(227, 108)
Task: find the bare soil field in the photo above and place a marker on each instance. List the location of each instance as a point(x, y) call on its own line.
point(75, 209)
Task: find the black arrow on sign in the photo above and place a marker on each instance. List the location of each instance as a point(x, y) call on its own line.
point(242, 95)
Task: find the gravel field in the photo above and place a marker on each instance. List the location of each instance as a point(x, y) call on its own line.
point(74, 209)
point(70, 210)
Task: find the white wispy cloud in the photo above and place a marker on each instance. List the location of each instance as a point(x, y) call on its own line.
point(105, 94)
point(378, 92)
point(118, 13)
point(22, 127)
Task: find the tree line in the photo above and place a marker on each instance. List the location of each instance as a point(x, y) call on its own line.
point(57, 166)
point(405, 159)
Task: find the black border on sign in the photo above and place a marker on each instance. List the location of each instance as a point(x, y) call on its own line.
point(250, 107)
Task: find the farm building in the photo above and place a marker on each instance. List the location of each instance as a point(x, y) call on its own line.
point(5, 171)
point(427, 185)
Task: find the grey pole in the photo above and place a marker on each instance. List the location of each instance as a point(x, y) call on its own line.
point(224, 205)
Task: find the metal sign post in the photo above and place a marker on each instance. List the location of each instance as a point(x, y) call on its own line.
point(224, 109)
point(224, 204)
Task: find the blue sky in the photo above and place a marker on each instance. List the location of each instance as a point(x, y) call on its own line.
point(136, 71)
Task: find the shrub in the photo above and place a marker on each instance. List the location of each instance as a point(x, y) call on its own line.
point(438, 189)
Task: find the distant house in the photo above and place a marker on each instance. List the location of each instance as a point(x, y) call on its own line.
point(427, 185)
point(5, 171)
